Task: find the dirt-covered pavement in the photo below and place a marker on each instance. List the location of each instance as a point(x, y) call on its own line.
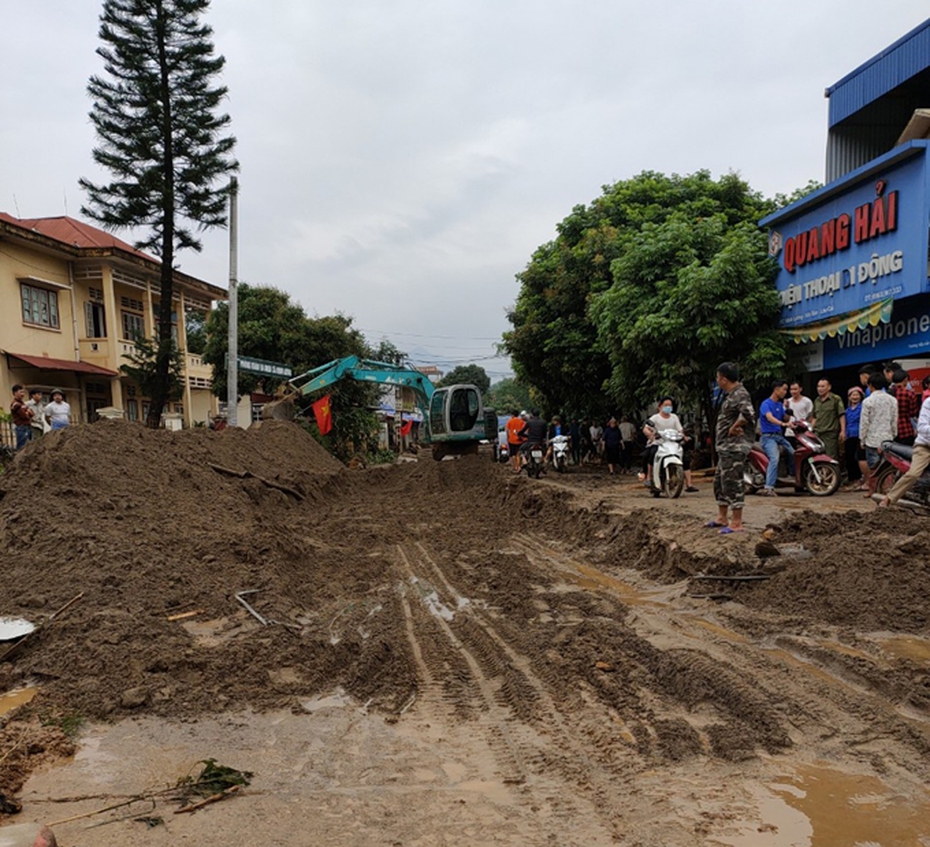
point(453, 653)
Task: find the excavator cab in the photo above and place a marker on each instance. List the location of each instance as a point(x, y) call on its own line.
point(456, 420)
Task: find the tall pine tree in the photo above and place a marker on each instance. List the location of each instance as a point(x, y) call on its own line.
point(161, 137)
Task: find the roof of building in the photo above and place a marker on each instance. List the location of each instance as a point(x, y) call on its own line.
point(896, 65)
point(76, 236)
point(46, 363)
point(907, 150)
point(76, 233)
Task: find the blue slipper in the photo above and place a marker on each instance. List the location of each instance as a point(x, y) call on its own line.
point(714, 525)
point(728, 530)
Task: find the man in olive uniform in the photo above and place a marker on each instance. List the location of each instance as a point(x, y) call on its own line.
point(735, 431)
point(828, 419)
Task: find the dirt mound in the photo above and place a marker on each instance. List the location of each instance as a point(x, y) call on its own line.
point(865, 571)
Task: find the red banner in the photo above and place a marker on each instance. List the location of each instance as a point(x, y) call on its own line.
point(323, 414)
point(406, 427)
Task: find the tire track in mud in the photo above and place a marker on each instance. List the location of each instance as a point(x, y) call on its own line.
point(495, 720)
point(747, 675)
point(684, 677)
point(580, 747)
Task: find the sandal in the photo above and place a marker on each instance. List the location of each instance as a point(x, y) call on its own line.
point(715, 525)
point(729, 530)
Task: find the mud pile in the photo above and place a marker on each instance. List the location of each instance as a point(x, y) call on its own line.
point(455, 585)
point(159, 538)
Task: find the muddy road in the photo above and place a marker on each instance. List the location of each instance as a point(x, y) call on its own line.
point(455, 653)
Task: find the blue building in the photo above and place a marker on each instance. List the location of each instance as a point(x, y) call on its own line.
point(853, 256)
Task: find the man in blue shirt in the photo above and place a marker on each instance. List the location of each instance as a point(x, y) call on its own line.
point(772, 422)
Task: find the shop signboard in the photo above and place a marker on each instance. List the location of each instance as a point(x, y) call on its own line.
point(858, 247)
point(906, 335)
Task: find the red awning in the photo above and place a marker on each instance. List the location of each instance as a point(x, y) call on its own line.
point(46, 363)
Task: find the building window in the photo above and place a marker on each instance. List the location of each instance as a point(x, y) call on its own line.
point(96, 325)
point(132, 410)
point(40, 306)
point(133, 326)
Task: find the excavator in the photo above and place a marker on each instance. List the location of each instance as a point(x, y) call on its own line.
point(455, 417)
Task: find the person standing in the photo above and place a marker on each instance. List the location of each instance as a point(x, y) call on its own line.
point(919, 460)
point(514, 439)
point(800, 406)
point(22, 417)
point(735, 425)
point(878, 423)
point(828, 419)
point(908, 407)
point(58, 412)
point(856, 467)
point(772, 423)
point(35, 403)
point(574, 433)
point(597, 435)
point(612, 444)
point(864, 373)
point(628, 434)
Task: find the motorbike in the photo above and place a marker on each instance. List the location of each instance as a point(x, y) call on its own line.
point(894, 463)
point(533, 457)
point(501, 452)
point(561, 448)
point(668, 469)
point(814, 470)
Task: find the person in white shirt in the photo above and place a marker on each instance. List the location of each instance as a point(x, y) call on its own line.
point(801, 407)
point(58, 412)
point(919, 460)
point(664, 419)
point(35, 402)
point(878, 423)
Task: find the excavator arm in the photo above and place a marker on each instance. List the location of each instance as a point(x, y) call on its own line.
point(365, 370)
point(454, 416)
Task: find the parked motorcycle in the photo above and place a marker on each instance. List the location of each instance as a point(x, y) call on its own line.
point(668, 469)
point(814, 470)
point(501, 452)
point(561, 449)
point(533, 456)
point(894, 463)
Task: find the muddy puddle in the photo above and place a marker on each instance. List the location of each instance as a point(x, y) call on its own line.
point(14, 699)
point(912, 648)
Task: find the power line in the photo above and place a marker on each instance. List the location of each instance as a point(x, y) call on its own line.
point(419, 335)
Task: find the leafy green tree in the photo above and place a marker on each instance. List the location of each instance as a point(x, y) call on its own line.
point(272, 327)
point(386, 351)
point(468, 375)
point(195, 331)
point(642, 289)
point(687, 295)
point(162, 138)
point(508, 395)
point(143, 368)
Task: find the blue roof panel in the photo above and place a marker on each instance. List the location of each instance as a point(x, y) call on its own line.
point(897, 63)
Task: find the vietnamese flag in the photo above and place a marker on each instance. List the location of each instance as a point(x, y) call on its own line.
point(323, 414)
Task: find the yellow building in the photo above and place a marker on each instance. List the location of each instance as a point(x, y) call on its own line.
point(74, 299)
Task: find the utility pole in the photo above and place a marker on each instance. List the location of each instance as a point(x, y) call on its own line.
point(232, 366)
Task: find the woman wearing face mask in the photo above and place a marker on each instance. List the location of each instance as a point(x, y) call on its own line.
point(663, 420)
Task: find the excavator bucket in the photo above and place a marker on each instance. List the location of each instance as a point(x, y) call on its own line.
point(279, 409)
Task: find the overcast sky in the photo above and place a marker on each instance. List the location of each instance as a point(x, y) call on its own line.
point(402, 160)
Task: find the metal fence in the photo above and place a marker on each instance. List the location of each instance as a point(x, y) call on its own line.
point(7, 434)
